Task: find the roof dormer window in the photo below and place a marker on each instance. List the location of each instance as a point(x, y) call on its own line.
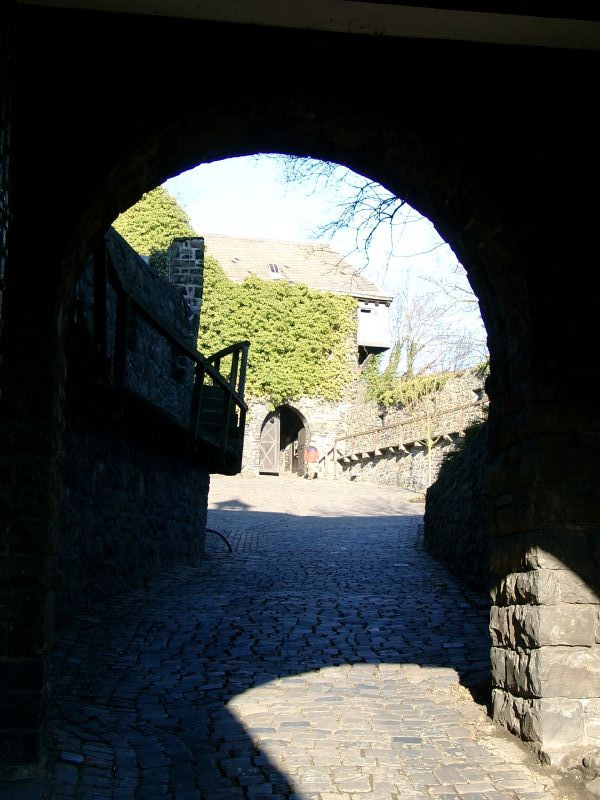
point(274, 271)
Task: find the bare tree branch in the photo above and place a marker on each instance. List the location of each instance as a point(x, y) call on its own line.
point(430, 327)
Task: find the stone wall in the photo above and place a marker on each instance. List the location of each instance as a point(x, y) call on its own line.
point(546, 660)
point(323, 420)
point(131, 503)
point(127, 512)
point(388, 447)
point(407, 470)
point(327, 424)
point(155, 370)
point(465, 389)
point(457, 512)
point(545, 578)
point(545, 609)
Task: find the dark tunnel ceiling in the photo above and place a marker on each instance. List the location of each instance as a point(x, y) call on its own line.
point(552, 24)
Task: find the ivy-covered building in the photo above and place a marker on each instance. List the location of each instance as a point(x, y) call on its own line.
point(317, 319)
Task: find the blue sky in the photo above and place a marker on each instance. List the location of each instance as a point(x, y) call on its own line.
point(249, 197)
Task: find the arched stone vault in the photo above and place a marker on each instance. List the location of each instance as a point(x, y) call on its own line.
point(495, 144)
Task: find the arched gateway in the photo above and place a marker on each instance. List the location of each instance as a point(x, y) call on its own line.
point(283, 436)
point(481, 136)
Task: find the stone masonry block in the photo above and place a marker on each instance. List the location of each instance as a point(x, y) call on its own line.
point(565, 672)
point(557, 549)
point(536, 626)
point(509, 670)
point(500, 629)
point(555, 726)
point(498, 666)
point(543, 587)
point(591, 710)
point(554, 723)
point(547, 672)
point(508, 710)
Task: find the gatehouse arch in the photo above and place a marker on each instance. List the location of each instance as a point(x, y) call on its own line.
point(283, 436)
point(480, 138)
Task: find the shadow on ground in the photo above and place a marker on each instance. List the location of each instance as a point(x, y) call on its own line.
point(288, 668)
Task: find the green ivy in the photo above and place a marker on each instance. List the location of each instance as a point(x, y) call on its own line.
point(303, 341)
point(151, 224)
point(382, 385)
point(299, 337)
point(388, 389)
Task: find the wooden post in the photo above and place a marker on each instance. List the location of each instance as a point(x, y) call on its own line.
point(196, 400)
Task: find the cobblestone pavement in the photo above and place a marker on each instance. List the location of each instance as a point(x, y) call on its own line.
point(326, 658)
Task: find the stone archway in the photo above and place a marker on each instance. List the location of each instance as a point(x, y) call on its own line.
point(522, 133)
point(283, 436)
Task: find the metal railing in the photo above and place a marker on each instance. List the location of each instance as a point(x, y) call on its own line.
point(231, 388)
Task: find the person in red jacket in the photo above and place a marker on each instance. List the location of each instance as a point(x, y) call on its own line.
point(311, 461)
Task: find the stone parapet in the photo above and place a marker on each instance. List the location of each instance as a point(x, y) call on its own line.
point(408, 469)
point(406, 446)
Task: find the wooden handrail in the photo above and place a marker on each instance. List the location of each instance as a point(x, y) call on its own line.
point(233, 388)
point(226, 351)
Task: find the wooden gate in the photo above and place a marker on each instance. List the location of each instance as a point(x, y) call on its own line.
point(269, 445)
point(301, 445)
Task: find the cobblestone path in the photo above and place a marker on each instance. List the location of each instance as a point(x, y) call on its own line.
point(326, 658)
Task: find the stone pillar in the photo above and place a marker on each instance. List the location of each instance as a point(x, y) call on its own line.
point(31, 376)
point(23, 495)
point(30, 442)
point(30, 445)
point(186, 269)
point(545, 552)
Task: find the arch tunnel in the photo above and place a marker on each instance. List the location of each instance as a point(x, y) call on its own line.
point(494, 141)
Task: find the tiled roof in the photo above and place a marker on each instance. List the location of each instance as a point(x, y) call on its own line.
point(310, 263)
